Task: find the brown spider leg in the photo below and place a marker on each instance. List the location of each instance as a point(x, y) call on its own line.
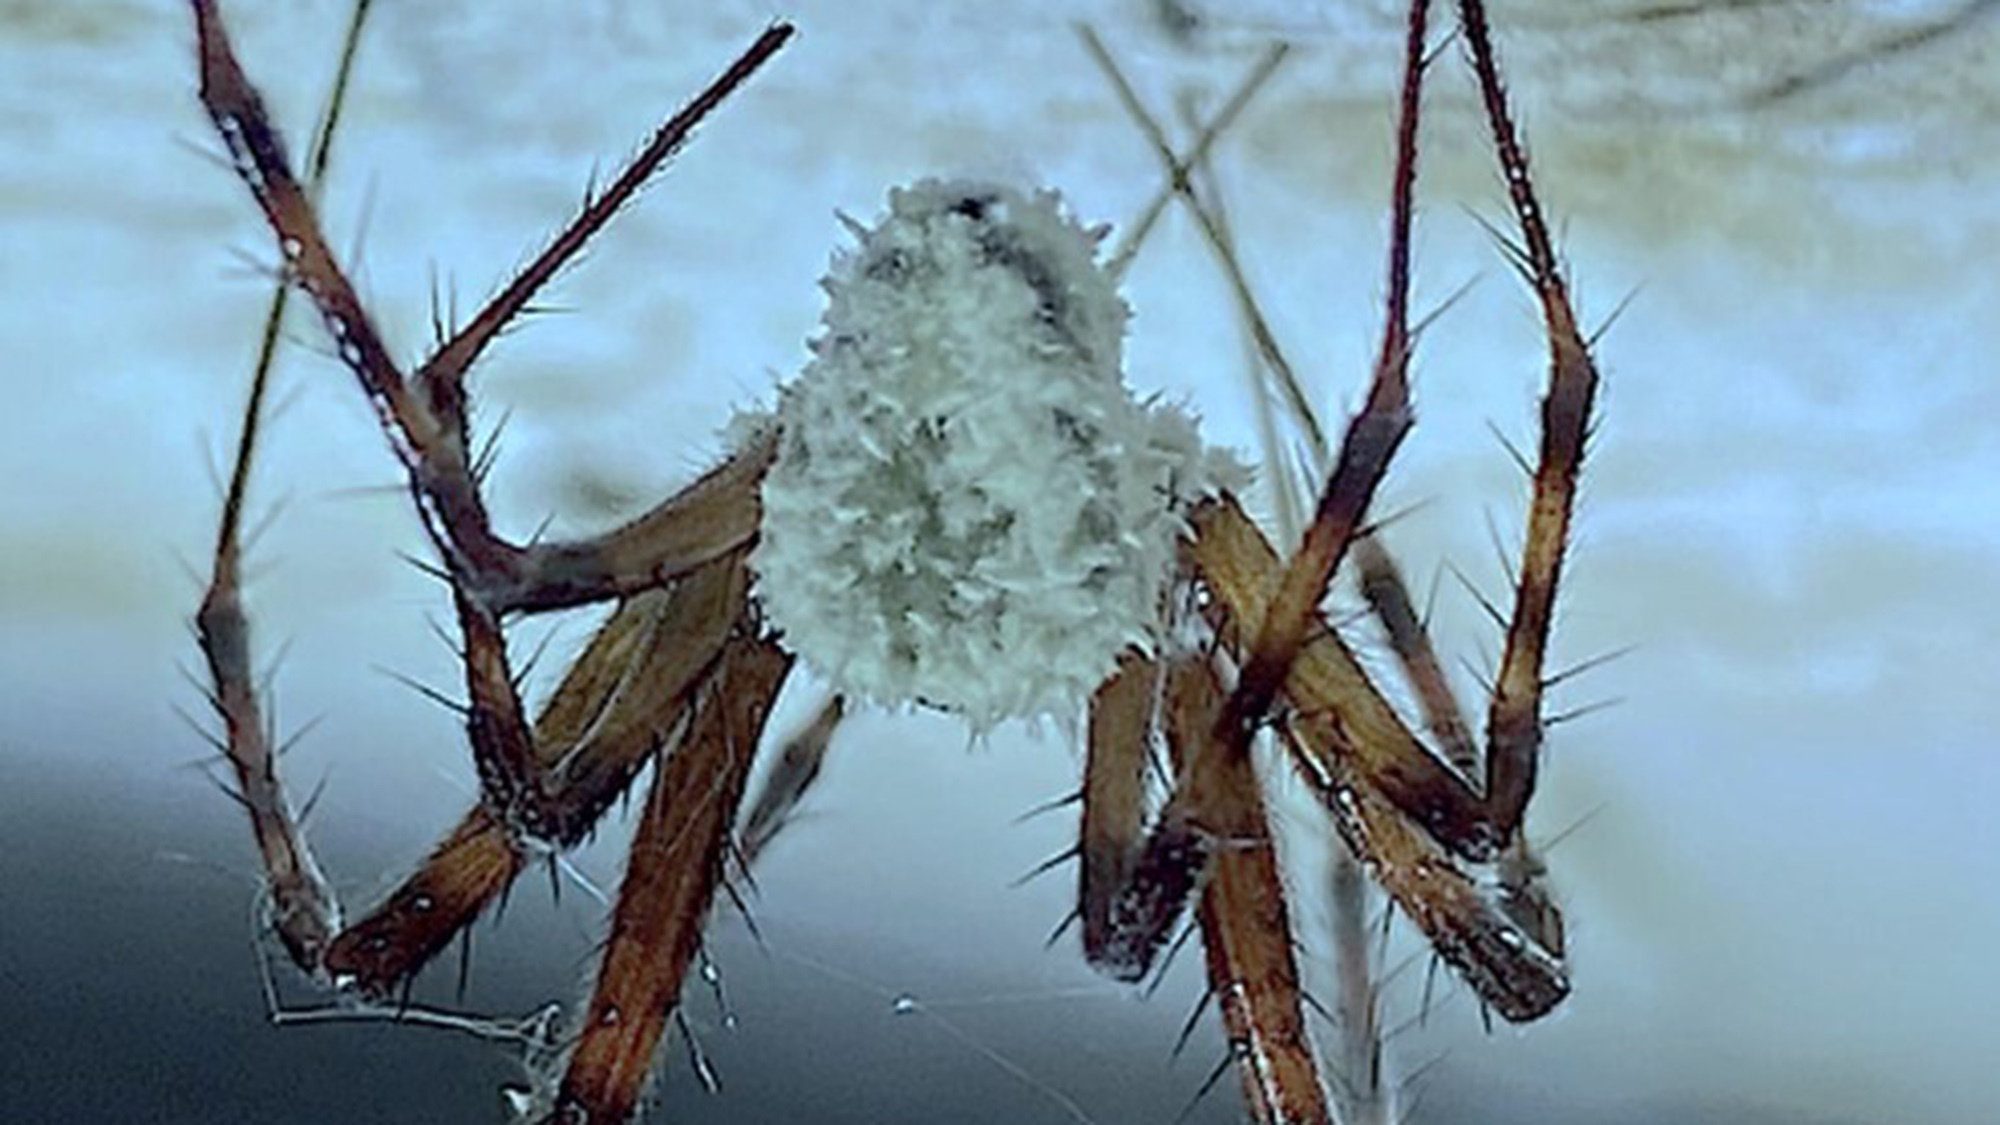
point(426, 419)
point(1514, 718)
point(1511, 971)
point(1371, 441)
point(790, 777)
point(670, 881)
point(625, 696)
point(426, 422)
point(303, 909)
point(1122, 917)
point(1388, 598)
point(1401, 809)
point(1245, 926)
point(1212, 842)
point(1239, 569)
point(1382, 584)
point(304, 912)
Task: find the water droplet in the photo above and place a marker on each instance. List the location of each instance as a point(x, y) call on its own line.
point(904, 1005)
point(710, 973)
point(610, 1017)
point(292, 247)
point(422, 903)
point(351, 353)
point(1512, 939)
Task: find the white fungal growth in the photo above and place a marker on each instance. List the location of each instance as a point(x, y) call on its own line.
point(968, 509)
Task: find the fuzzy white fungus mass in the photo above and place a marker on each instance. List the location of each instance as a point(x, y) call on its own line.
point(968, 509)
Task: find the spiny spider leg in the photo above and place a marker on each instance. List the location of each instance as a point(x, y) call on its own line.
point(1382, 584)
point(1212, 839)
point(1240, 569)
point(303, 910)
point(1246, 929)
point(1514, 718)
point(426, 421)
point(791, 776)
point(1511, 972)
point(1399, 806)
point(1365, 451)
point(1395, 802)
point(670, 882)
point(1388, 598)
point(1121, 933)
point(624, 698)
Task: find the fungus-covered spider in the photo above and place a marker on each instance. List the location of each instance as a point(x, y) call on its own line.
point(957, 504)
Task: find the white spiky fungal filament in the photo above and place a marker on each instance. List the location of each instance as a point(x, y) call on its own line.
point(968, 509)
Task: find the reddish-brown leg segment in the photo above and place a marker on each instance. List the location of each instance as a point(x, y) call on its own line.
point(670, 880)
point(1415, 815)
point(426, 420)
point(1246, 930)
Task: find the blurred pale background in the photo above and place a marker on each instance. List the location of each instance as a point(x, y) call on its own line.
point(1783, 905)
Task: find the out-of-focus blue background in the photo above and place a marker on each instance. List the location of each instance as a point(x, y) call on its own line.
point(1782, 908)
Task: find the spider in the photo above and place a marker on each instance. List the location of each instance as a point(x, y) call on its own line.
point(1211, 638)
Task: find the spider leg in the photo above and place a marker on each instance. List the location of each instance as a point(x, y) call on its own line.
point(794, 773)
point(303, 909)
point(1382, 584)
point(1211, 842)
point(1131, 884)
point(1514, 717)
point(670, 881)
point(1239, 568)
point(1470, 926)
point(1393, 801)
point(426, 420)
point(626, 695)
point(1371, 441)
point(1246, 927)
point(1388, 598)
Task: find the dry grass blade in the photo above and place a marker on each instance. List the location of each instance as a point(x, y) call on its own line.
point(1179, 169)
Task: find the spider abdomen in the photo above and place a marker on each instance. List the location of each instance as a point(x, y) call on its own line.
point(968, 509)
